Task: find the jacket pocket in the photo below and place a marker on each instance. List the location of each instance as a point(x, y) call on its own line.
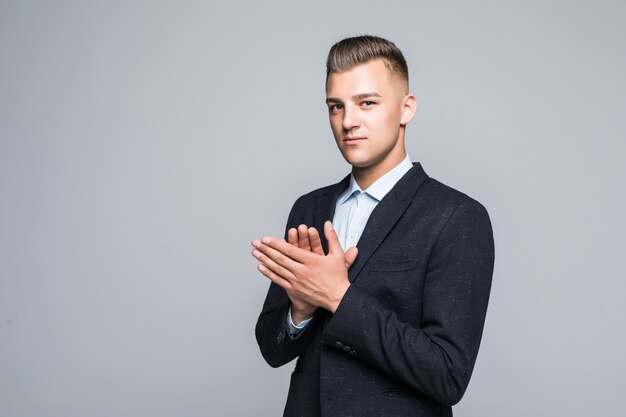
point(397, 394)
point(394, 265)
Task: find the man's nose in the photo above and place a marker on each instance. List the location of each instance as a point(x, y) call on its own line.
point(350, 118)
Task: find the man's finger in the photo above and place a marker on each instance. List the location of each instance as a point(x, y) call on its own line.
point(273, 266)
point(316, 242)
point(278, 257)
point(350, 256)
point(334, 247)
point(285, 249)
point(303, 237)
point(278, 280)
point(292, 236)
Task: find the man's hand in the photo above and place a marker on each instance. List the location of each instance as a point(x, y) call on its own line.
point(307, 239)
point(318, 280)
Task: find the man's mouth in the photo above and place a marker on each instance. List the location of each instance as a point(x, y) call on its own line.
point(351, 140)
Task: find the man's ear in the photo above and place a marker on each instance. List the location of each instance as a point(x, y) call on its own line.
point(409, 107)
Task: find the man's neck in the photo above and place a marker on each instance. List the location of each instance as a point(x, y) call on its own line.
point(366, 176)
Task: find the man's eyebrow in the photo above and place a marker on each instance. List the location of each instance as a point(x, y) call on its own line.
point(365, 95)
point(354, 97)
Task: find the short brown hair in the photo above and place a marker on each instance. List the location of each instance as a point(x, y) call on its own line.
point(349, 52)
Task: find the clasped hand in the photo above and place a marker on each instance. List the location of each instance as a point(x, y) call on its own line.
point(310, 278)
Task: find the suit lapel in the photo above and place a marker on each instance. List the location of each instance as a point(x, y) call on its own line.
point(385, 216)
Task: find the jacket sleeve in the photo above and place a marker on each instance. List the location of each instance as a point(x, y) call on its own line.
point(437, 357)
point(277, 345)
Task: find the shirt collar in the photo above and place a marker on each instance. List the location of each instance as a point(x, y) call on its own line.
point(381, 186)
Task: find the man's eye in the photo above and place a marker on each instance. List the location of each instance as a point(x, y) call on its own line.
point(367, 103)
point(336, 107)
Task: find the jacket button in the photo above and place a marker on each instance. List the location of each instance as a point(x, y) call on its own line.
point(347, 348)
point(339, 344)
point(353, 352)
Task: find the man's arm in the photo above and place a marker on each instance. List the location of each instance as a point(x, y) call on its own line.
point(437, 357)
point(277, 345)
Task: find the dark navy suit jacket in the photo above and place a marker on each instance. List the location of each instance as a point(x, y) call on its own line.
point(404, 339)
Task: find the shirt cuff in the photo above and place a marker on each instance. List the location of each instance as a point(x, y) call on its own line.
point(293, 328)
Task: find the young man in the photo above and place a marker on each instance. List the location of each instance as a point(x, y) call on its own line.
point(389, 322)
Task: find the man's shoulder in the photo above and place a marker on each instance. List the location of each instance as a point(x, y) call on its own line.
point(443, 198)
point(424, 189)
point(443, 192)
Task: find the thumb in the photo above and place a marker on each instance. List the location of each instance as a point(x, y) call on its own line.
point(334, 247)
point(350, 256)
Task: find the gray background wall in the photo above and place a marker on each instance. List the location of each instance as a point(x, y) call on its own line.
point(143, 144)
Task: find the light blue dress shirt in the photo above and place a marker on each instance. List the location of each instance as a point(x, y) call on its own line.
point(353, 209)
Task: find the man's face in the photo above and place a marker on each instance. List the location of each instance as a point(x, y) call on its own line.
point(368, 108)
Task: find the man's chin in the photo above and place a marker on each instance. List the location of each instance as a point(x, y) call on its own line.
point(355, 158)
point(358, 163)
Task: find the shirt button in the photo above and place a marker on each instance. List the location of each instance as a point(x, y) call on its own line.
point(339, 344)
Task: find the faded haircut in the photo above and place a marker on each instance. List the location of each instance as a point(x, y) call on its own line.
point(350, 52)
